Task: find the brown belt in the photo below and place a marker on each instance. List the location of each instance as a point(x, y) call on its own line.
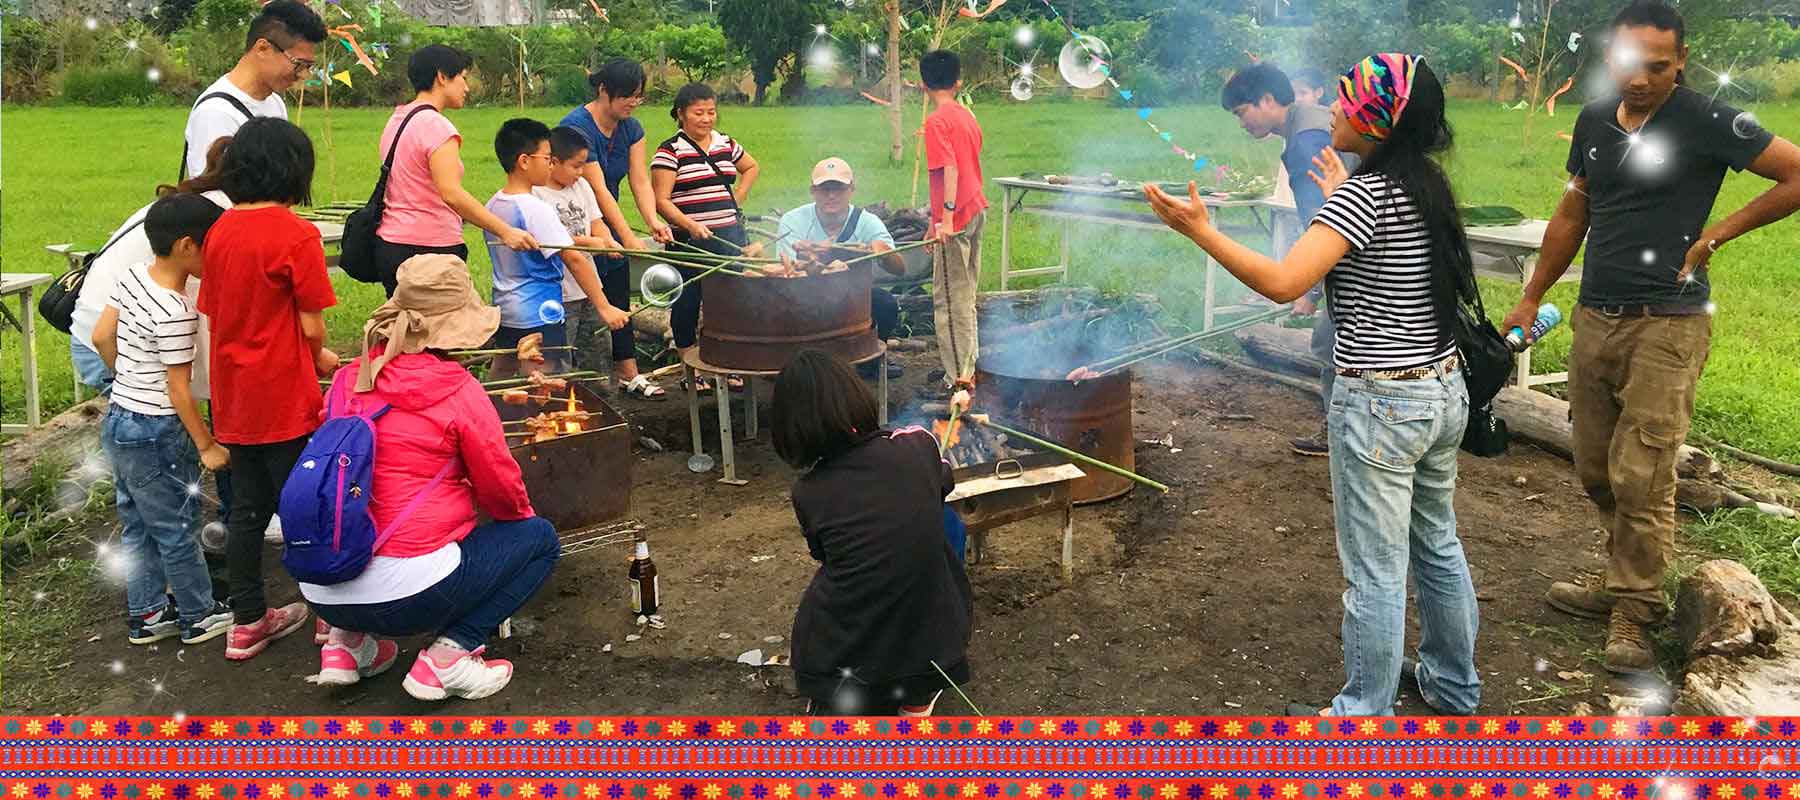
point(1445, 366)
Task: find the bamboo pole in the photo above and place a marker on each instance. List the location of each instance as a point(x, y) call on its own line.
point(1170, 344)
point(1067, 453)
point(513, 382)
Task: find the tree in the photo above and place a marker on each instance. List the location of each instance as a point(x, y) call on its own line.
point(699, 51)
point(770, 32)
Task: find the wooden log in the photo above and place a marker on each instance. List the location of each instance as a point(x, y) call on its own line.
point(1287, 348)
point(1543, 420)
point(1743, 647)
point(64, 440)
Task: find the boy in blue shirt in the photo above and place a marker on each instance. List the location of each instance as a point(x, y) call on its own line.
point(528, 286)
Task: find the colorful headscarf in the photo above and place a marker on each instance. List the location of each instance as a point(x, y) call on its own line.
point(1375, 91)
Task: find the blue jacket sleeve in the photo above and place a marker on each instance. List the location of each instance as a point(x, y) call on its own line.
point(1297, 157)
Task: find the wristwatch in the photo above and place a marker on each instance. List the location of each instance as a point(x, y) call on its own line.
point(949, 205)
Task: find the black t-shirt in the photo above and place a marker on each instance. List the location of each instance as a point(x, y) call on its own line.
point(1650, 193)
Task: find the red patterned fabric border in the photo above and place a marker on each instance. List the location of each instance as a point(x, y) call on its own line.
point(784, 758)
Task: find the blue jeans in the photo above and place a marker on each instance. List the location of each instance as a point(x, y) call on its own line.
point(1324, 348)
point(1393, 479)
point(156, 474)
point(503, 564)
point(90, 368)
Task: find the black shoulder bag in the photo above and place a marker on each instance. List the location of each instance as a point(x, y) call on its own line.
point(356, 251)
point(1487, 363)
point(57, 305)
point(182, 175)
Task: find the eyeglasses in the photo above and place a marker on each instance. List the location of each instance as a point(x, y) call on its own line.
point(301, 65)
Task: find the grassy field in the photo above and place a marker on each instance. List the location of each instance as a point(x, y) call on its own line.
point(76, 172)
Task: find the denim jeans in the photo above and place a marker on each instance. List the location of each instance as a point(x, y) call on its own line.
point(503, 564)
point(156, 474)
point(90, 369)
point(1324, 348)
point(1393, 478)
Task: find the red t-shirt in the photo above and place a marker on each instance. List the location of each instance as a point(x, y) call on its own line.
point(952, 136)
point(262, 269)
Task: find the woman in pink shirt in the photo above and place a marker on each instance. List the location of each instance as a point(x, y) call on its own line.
point(426, 203)
point(442, 454)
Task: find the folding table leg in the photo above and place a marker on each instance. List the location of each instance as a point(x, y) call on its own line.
point(726, 450)
point(1068, 544)
point(750, 420)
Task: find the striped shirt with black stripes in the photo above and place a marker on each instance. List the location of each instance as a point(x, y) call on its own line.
point(702, 191)
point(158, 328)
point(1381, 290)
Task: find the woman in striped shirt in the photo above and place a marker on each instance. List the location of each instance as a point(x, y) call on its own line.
point(1390, 245)
point(701, 178)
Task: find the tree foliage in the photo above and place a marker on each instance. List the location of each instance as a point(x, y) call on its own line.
point(769, 32)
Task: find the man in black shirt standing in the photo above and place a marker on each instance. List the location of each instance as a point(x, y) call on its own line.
point(1645, 170)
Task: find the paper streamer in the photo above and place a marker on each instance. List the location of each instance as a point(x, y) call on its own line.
point(1516, 68)
point(598, 11)
point(876, 100)
point(1550, 105)
point(347, 37)
point(1198, 161)
point(970, 12)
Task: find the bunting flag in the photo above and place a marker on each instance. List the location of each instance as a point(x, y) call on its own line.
point(344, 78)
point(346, 36)
point(598, 11)
point(970, 12)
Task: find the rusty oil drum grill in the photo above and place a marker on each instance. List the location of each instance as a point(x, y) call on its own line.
point(578, 480)
point(758, 323)
point(1092, 417)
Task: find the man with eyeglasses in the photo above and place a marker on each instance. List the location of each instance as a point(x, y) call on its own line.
point(281, 48)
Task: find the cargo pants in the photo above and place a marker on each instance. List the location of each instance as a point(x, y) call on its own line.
point(955, 273)
point(1632, 381)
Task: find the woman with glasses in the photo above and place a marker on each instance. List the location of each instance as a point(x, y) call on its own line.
point(279, 50)
point(616, 152)
point(426, 202)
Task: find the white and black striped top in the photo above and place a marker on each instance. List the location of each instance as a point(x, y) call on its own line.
point(158, 328)
point(1381, 290)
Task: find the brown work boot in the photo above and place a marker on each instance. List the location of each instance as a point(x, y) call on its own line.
point(1628, 644)
point(1582, 601)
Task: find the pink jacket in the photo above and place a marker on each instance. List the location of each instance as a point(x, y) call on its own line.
point(438, 413)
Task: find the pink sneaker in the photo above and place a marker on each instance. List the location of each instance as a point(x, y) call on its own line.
point(245, 641)
point(340, 665)
point(321, 631)
point(470, 677)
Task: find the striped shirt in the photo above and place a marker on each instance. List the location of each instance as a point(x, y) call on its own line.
point(157, 329)
point(1381, 290)
point(702, 190)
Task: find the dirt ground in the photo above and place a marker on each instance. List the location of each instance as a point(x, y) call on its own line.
point(1220, 597)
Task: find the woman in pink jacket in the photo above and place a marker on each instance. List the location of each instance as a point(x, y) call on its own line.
point(439, 444)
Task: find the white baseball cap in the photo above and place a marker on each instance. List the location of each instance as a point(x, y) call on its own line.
point(831, 169)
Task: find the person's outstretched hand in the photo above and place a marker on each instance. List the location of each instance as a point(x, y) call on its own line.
point(1186, 217)
point(516, 239)
point(1328, 171)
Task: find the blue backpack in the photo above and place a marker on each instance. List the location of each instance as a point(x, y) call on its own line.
point(329, 532)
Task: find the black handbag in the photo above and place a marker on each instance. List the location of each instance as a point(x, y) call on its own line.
point(57, 305)
point(1487, 364)
point(356, 251)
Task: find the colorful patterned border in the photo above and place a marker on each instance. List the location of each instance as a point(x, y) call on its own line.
point(784, 758)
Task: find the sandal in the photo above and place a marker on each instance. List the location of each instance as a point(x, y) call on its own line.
point(642, 388)
point(702, 385)
point(735, 384)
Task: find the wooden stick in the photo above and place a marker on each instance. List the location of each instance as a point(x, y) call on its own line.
point(1066, 452)
point(1119, 362)
point(514, 382)
point(500, 351)
point(901, 249)
point(664, 254)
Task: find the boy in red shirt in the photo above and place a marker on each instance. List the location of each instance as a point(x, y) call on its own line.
point(265, 292)
point(958, 205)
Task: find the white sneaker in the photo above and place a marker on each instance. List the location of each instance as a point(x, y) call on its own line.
point(272, 534)
point(209, 627)
point(470, 677)
point(340, 665)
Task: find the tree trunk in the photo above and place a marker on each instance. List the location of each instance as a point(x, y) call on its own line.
point(896, 135)
point(1743, 648)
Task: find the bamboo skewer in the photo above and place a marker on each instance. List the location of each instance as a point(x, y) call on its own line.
point(515, 382)
point(1067, 453)
point(666, 255)
point(1169, 344)
point(501, 351)
point(901, 249)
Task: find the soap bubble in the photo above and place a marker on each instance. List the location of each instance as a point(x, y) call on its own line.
point(1021, 89)
point(1083, 62)
point(550, 312)
point(153, 75)
point(91, 24)
point(1025, 35)
point(660, 285)
point(1746, 126)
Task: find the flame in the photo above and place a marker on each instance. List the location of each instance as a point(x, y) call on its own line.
point(571, 427)
point(949, 432)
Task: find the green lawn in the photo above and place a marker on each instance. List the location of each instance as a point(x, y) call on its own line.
point(76, 172)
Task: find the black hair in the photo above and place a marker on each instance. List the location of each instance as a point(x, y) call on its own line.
point(821, 409)
point(432, 60)
point(208, 179)
point(1408, 156)
point(940, 69)
point(284, 22)
point(517, 137)
point(1248, 86)
point(179, 216)
point(1653, 14)
point(1310, 78)
point(565, 142)
point(689, 95)
point(270, 160)
point(620, 77)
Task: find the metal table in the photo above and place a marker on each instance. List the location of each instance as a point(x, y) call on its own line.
point(24, 284)
point(692, 367)
point(1107, 206)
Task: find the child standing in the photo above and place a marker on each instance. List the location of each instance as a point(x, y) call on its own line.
point(148, 335)
point(528, 284)
point(265, 293)
point(573, 198)
point(958, 205)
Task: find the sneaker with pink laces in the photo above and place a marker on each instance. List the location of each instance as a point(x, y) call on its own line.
point(245, 641)
point(342, 665)
point(321, 631)
point(470, 677)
